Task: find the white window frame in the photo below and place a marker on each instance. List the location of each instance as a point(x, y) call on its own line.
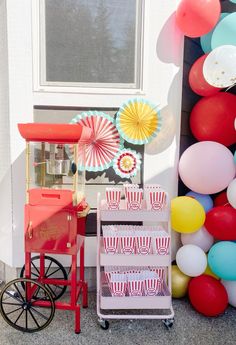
point(39, 59)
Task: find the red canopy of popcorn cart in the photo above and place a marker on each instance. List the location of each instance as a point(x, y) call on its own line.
point(57, 133)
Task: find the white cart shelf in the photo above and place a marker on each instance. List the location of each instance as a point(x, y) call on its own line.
point(106, 302)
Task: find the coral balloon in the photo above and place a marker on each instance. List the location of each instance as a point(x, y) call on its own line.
point(207, 167)
point(230, 287)
point(191, 260)
point(200, 238)
point(221, 199)
point(197, 81)
point(231, 193)
point(221, 223)
point(207, 295)
point(179, 282)
point(196, 18)
point(204, 199)
point(222, 258)
point(212, 118)
point(187, 214)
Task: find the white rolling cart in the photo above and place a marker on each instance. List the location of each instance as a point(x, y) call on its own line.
point(109, 307)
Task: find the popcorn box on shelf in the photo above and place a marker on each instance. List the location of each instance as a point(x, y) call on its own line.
point(127, 242)
point(156, 199)
point(110, 240)
point(113, 196)
point(161, 244)
point(118, 285)
point(134, 199)
point(143, 242)
point(135, 284)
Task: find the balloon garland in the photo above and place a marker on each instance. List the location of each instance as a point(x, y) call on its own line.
point(206, 261)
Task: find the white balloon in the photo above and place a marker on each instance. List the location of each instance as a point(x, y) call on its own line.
point(230, 286)
point(219, 67)
point(200, 238)
point(231, 193)
point(191, 260)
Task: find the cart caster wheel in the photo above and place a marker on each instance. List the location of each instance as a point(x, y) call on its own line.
point(21, 310)
point(53, 270)
point(168, 323)
point(104, 324)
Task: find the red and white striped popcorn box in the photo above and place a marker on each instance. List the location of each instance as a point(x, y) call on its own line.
point(135, 284)
point(134, 199)
point(110, 241)
point(127, 242)
point(156, 199)
point(160, 271)
point(143, 242)
point(113, 196)
point(129, 186)
point(161, 243)
point(153, 285)
point(118, 285)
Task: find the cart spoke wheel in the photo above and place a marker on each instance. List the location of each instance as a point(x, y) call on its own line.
point(19, 308)
point(53, 270)
point(104, 324)
point(168, 323)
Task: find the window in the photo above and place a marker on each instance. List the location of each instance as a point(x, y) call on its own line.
point(91, 44)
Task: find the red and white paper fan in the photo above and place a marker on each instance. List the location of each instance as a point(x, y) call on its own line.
point(105, 142)
point(127, 163)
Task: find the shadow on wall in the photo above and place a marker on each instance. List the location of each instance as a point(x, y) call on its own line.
point(168, 52)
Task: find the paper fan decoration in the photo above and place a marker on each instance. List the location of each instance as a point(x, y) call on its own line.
point(127, 163)
point(138, 121)
point(105, 142)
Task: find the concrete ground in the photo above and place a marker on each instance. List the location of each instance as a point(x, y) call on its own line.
point(190, 328)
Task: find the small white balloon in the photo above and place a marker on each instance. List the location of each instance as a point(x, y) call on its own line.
point(219, 67)
point(191, 260)
point(231, 193)
point(230, 286)
point(200, 238)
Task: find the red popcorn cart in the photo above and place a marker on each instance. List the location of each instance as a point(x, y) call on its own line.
point(55, 216)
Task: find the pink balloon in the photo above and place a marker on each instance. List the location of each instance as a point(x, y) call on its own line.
point(197, 81)
point(207, 167)
point(201, 238)
point(197, 17)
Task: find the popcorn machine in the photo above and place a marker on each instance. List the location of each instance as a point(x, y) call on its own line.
point(55, 215)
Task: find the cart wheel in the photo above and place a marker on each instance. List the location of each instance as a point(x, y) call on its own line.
point(104, 324)
point(168, 323)
point(20, 309)
point(55, 272)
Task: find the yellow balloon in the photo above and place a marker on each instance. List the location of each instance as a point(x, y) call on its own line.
point(209, 272)
point(179, 282)
point(187, 214)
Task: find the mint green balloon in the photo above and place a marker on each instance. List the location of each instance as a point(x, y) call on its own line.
point(222, 259)
point(225, 32)
point(205, 40)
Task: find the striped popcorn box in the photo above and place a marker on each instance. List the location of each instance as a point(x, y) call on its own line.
point(161, 243)
point(156, 199)
point(134, 199)
point(135, 284)
point(143, 242)
point(113, 196)
point(110, 241)
point(127, 242)
point(118, 285)
point(153, 285)
point(128, 186)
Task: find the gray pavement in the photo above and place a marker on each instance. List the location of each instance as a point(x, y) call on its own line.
point(190, 328)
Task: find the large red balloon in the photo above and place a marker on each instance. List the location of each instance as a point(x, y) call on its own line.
point(197, 17)
point(212, 119)
point(197, 81)
point(221, 199)
point(221, 223)
point(207, 295)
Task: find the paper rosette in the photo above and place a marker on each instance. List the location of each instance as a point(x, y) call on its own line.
point(105, 142)
point(127, 163)
point(138, 121)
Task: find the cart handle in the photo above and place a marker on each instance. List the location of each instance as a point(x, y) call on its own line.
point(30, 230)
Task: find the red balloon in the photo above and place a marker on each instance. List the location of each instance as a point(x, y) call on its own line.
point(207, 295)
point(212, 119)
point(221, 223)
point(197, 17)
point(221, 199)
point(197, 81)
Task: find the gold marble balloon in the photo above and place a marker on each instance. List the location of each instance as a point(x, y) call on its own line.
point(179, 282)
